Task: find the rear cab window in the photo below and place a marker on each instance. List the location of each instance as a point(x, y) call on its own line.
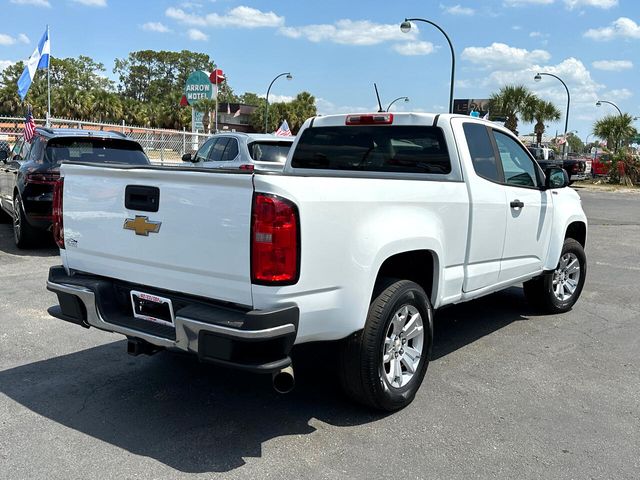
point(374, 148)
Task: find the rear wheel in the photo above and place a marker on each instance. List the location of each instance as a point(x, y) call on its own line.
point(24, 234)
point(558, 291)
point(382, 366)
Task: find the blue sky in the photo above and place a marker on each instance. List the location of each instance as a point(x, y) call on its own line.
point(337, 49)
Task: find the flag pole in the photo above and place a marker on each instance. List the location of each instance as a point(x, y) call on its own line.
point(49, 83)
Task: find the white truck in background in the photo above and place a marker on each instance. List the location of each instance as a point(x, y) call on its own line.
point(376, 221)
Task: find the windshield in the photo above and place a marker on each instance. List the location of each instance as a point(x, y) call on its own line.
point(95, 150)
point(269, 151)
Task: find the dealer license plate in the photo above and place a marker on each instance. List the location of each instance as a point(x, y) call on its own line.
point(152, 308)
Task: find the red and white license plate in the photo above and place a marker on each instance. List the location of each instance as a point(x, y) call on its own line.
point(152, 308)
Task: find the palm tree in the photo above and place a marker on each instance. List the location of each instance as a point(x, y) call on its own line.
point(510, 101)
point(615, 129)
point(540, 111)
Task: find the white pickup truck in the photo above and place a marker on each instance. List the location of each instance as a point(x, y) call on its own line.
point(376, 221)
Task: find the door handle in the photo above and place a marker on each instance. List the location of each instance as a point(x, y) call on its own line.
point(517, 204)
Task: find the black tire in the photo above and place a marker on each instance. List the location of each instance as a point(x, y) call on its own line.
point(361, 369)
point(539, 291)
point(24, 235)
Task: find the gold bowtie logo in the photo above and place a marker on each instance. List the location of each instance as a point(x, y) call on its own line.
point(141, 225)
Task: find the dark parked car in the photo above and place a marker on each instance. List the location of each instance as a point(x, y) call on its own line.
point(577, 167)
point(28, 176)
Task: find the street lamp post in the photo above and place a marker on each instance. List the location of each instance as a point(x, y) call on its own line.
point(406, 99)
point(405, 27)
point(537, 78)
point(600, 102)
point(266, 113)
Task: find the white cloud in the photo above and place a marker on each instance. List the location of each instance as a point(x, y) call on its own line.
point(326, 107)
point(350, 32)
point(414, 48)
point(619, 94)
point(458, 10)
point(520, 3)
point(500, 56)
point(5, 63)
point(278, 98)
point(92, 3)
point(612, 65)
point(38, 3)
point(9, 40)
point(240, 17)
point(623, 27)
point(606, 4)
point(155, 27)
point(197, 35)
point(584, 90)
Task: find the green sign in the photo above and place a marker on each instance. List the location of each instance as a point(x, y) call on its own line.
point(197, 119)
point(198, 87)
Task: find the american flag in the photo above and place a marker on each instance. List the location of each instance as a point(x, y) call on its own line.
point(284, 131)
point(29, 126)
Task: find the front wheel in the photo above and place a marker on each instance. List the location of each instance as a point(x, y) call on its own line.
point(557, 292)
point(382, 366)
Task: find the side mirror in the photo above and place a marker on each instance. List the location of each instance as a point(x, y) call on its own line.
point(187, 157)
point(17, 158)
point(556, 177)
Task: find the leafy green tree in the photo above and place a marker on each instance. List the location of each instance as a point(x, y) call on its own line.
point(575, 144)
point(511, 101)
point(150, 75)
point(295, 113)
point(617, 130)
point(539, 111)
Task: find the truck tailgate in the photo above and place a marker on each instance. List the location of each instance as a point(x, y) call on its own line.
point(200, 248)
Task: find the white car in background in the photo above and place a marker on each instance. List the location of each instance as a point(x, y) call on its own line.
point(244, 151)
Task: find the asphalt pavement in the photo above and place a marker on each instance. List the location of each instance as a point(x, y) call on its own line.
point(509, 393)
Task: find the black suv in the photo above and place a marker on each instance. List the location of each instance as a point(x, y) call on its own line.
point(27, 178)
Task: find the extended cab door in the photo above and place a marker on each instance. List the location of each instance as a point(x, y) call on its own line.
point(530, 210)
point(488, 208)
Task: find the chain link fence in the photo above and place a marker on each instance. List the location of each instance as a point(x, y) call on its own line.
point(163, 147)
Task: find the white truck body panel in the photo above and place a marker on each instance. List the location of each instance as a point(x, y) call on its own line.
point(350, 223)
point(202, 247)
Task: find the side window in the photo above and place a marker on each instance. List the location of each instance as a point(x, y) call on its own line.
point(519, 169)
point(481, 151)
point(26, 148)
point(203, 153)
point(16, 148)
point(37, 151)
point(232, 150)
point(218, 150)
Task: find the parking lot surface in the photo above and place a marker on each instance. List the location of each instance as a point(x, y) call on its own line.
point(509, 393)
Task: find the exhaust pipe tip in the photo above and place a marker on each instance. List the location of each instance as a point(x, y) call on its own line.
point(284, 380)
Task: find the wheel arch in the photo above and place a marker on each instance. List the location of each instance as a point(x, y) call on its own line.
point(420, 266)
point(578, 231)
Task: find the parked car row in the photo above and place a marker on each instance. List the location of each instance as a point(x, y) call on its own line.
point(245, 151)
point(28, 174)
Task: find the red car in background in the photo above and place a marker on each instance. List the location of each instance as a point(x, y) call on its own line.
point(601, 164)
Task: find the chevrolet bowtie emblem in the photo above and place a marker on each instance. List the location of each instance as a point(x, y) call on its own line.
point(141, 225)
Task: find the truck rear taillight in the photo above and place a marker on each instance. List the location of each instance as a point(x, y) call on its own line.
point(247, 166)
point(275, 240)
point(370, 119)
point(58, 227)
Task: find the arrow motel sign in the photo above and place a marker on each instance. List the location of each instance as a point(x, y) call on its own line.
point(198, 87)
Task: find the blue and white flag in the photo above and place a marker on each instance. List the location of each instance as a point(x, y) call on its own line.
point(39, 60)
